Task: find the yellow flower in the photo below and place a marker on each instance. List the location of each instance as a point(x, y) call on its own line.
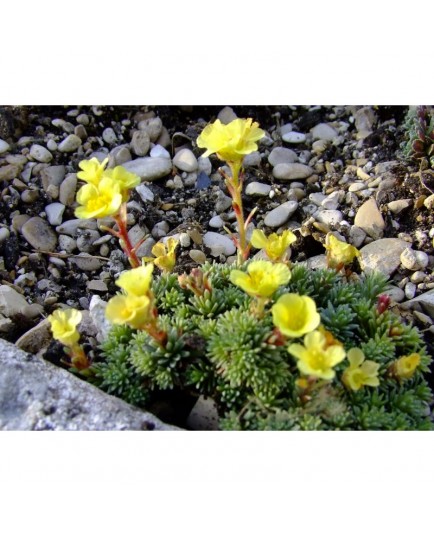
point(129, 309)
point(124, 178)
point(339, 253)
point(275, 246)
point(231, 142)
point(136, 281)
point(406, 366)
point(92, 170)
point(99, 201)
point(262, 279)
point(63, 325)
point(360, 372)
point(165, 255)
point(315, 358)
point(295, 315)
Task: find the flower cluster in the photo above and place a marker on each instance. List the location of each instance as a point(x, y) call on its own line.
point(275, 246)
point(106, 194)
point(232, 142)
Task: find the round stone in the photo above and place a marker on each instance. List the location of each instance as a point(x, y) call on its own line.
point(185, 160)
point(158, 151)
point(4, 146)
point(70, 144)
point(54, 213)
point(252, 159)
point(282, 155)
point(154, 128)
point(294, 137)
point(39, 234)
point(329, 217)
point(140, 142)
point(323, 131)
point(86, 262)
point(197, 256)
point(218, 244)
point(4, 234)
point(289, 172)
point(67, 189)
point(145, 193)
point(149, 168)
point(258, 189)
point(373, 258)
point(109, 135)
point(40, 153)
point(216, 222)
point(281, 214)
point(414, 260)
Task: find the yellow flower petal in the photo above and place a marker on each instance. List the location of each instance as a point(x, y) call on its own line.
point(263, 278)
point(130, 310)
point(232, 141)
point(295, 315)
point(136, 281)
point(63, 324)
point(99, 201)
point(92, 170)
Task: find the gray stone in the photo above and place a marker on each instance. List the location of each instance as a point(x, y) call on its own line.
point(282, 155)
point(70, 144)
point(216, 222)
point(109, 135)
point(11, 301)
point(323, 131)
point(292, 171)
point(383, 167)
point(218, 244)
point(226, 115)
point(414, 260)
point(83, 119)
point(252, 160)
point(281, 214)
point(52, 175)
point(140, 143)
point(357, 186)
point(36, 339)
point(158, 151)
point(97, 308)
point(317, 198)
point(185, 160)
point(97, 285)
point(149, 168)
point(382, 255)
point(81, 132)
point(67, 190)
point(86, 240)
point(258, 188)
point(204, 415)
point(223, 202)
point(357, 236)
point(70, 227)
point(40, 153)
point(54, 212)
point(417, 277)
point(154, 127)
point(4, 146)
point(67, 243)
point(36, 395)
point(426, 300)
point(410, 290)
point(294, 137)
point(145, 193)
point(204, 164)
point(4, 234)
point(395, 293)
point(329, 217)
point(86, 262)
point(369, 219)
point(39, 234)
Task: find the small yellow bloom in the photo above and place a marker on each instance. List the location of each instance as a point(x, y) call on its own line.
point(295, 315)
point(124, 178)
point(231, 142)
point(360, 372)
point(129, 309)
point(262, 279)
point(165, 255)
point(99, 201)
point(406, 366)
point(315, 358)
point(339, 253)
point(64, 325)
point(92, 170)
point(136, 281)
point(275, 245)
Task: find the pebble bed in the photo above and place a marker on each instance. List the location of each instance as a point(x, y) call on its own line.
point(318, 169)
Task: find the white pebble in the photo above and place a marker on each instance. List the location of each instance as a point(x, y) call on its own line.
point(4, 146)
point(54, 213)
point(109, 135)
point(294, 137)
point(41, 154)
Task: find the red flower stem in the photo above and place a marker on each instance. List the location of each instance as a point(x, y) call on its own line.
point(124, 239)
